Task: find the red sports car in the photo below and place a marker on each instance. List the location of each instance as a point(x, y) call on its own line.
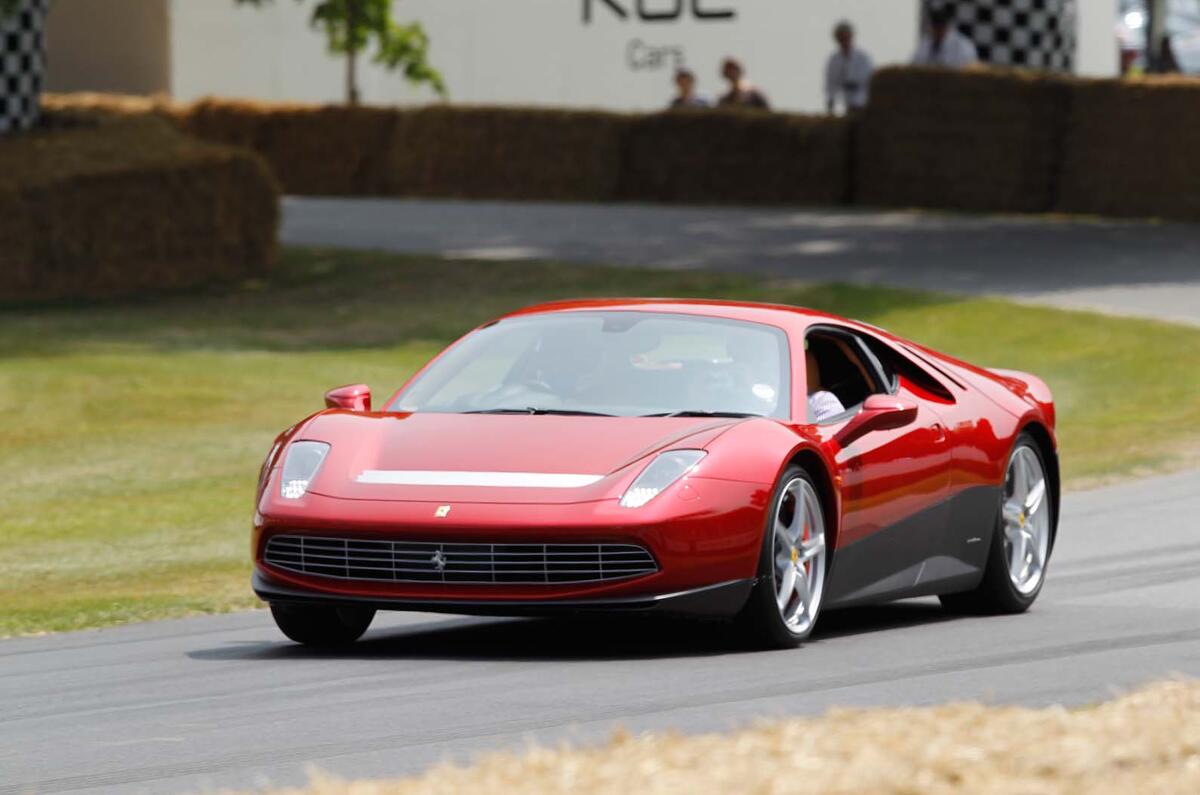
point(719, 459)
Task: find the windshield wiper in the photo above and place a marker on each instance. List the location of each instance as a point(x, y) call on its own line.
point(697, 413)
point(536, 410)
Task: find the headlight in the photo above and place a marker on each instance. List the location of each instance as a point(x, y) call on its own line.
point(662, 472)
point(300, 465)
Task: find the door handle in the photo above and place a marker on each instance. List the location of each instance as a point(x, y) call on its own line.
point(939, 431)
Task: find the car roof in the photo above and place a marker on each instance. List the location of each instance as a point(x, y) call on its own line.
point(773, 314)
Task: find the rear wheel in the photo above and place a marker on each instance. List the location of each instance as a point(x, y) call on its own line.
point(320, 625)
point(783, 608)
point(1016, 566)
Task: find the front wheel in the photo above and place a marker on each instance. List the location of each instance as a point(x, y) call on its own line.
point(320, 625)
point(783, 608)
point(1016, 566)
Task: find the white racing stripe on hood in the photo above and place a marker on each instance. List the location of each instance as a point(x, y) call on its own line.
point(524, 480)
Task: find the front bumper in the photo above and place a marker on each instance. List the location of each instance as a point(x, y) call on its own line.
point(720, 600)
point(710, 533)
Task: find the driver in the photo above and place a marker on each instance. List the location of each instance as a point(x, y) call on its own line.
point(746, 382)
point(563, 362)
point(822, 404)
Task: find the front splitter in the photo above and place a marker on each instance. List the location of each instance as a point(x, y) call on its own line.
point(720, 600)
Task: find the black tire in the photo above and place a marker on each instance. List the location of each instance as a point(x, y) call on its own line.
point(760, 621)
point(319, 625)
point(996, 594)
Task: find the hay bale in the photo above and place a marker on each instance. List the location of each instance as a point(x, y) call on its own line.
point(127, 205)
point(98, 106)
point(517, 153)
point(326, 150)
point(742, 157)
point(983, 139)
point(1132, 149)
point(16, 244)
point(506, 153)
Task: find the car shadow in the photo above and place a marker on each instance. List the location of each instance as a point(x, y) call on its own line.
point(628, 637)
point(879, 618)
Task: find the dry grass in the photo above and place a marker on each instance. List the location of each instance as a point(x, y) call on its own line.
point(1147, 741)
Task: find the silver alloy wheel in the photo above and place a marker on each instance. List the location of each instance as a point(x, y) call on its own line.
point(1026, 520)
point(799, 555)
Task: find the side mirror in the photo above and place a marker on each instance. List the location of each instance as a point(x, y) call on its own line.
point(355, 397)
point(878, 413)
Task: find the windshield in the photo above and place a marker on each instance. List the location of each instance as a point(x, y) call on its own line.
point(609, 363)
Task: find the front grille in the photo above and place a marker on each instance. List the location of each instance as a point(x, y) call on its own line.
point(428, 561)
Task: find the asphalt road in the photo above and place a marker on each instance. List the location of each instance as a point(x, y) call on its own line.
point(198, 704)
point(1123, 267)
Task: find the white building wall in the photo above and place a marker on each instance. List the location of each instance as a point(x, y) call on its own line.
point(1098, 54)
point(543, 52)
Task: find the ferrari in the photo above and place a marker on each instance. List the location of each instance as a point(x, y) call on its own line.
point(735, 461)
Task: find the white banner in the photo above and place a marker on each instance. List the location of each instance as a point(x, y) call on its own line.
point(617, 54)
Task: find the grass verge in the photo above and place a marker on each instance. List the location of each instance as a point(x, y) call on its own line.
point(133, 431)
point(1147, 741)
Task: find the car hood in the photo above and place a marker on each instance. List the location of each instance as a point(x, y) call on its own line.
point(489, 457)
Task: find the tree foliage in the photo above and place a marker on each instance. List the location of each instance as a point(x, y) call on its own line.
point(352, 26)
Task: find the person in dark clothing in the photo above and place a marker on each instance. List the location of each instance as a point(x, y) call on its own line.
point(686, 96)
point(742, 92)
point(1167, 62)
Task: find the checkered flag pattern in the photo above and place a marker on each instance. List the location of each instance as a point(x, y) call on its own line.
point(22, 64)
point(1039, 34)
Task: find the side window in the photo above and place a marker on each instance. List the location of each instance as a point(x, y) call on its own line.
point(841, 374)
point(897, 366)
point(885, 358)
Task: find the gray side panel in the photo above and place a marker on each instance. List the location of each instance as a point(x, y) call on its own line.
point(939, 550)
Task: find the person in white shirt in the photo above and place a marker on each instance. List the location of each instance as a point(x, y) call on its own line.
point(944, 45)
point(821, 404)
point(847, 72)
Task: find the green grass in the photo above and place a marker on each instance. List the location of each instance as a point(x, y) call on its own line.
point(132, 432)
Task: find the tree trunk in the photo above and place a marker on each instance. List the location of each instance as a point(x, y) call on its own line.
point(1156, 28)
point(352, 77)
point(352, 23)
point(22, 65)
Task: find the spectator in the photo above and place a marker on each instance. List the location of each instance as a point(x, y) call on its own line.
point(1167, 62)
point(686, 96)
point(847, 72)
point(742, 93)
point(943, 44)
